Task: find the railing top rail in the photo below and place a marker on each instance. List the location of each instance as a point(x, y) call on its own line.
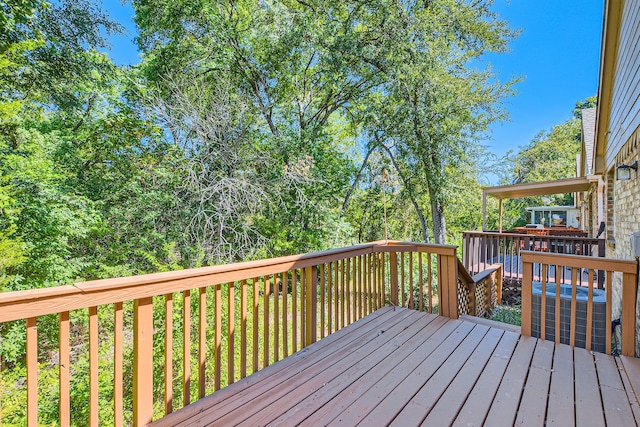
point(532, 236)
point(463, 273)
point(486, 272)
point(37, 302)
point(579, 261)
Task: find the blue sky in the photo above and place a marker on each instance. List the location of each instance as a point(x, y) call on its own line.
point(557, 55)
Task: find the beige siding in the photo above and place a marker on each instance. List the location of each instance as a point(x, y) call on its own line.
point(625, 106)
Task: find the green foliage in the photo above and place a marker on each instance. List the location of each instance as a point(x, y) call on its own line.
point(511, 314)
point(238, 137)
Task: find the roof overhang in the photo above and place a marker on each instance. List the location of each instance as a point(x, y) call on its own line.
point(571, 185)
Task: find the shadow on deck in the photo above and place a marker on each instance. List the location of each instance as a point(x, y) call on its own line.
point(402, 367)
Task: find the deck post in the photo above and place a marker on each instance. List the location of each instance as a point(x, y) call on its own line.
point(311, 304)
point(484, 211)
point(393, 273)
point(142, 355)
point(448, 280)
point(527, 279)
point(628, 317)
point(32, 372)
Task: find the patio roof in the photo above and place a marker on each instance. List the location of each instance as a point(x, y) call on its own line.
point(570, 185)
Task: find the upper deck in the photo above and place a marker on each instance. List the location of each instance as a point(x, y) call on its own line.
point(402, 367)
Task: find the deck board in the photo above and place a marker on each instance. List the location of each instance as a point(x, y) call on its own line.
point(588, 402)
point(394, 401)
point(617, 409)
point(477, 405)
point(329, 406)
point(536, 390)
point(560, 408)
point(401, 367)
point(361, 403)
point(445, 409)
point(504, 407)
point(423, 401)
point(313, 378)
point(632, 374)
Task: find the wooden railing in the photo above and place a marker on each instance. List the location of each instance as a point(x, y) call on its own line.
point(480, 250)
point(167, 339)
point(580, 319)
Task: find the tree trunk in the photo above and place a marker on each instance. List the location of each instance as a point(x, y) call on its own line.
point(355, 182)
point(437, 214)
point(416, 206)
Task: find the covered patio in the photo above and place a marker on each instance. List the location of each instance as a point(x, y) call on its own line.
point(516, 191)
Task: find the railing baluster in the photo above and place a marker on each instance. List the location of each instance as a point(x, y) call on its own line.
point(362, 286)
point(65, 403)
point(557, 307)
point(355, 293)
point(285, 320)
point(217, 355)
point(322, 301)
point(429, 283)
point(382, 280)
point(186, 348)
point(276, 317)
point(255, 324)
point(231, 332)
point(543, 301)
point(393, 272)
point(265, 318)
point(202, 341)
point(402, 296)
point(168, 353)
point(421, 276)
point(32, 372)
point(608, 310)
point(303, 307)
point(329, 298)
point(343, 293)
point(369, 284)
point(411, 304)
point(118, 344)
point(294, 308)
point(142, 357)
point(574, 305)
point(336, 294)
point(93, 366)
point(527, 279)
point(311, 303)
point(590, 310)
point(243, 328)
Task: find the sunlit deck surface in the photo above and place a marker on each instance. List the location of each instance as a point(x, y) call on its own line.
point(401, 367)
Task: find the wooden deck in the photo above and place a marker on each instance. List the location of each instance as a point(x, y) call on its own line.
point(401, 367)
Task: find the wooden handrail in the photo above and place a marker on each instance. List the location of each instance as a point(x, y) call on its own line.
point(580, 261)
point(334, 287)
point(481, 249)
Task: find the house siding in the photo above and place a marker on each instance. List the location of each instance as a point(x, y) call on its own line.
point(624, 114)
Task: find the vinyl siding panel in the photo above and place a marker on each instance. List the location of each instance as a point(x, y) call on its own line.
point(625, 107)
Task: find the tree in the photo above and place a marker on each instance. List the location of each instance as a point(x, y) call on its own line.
point(550, 155)
point(433, 105)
